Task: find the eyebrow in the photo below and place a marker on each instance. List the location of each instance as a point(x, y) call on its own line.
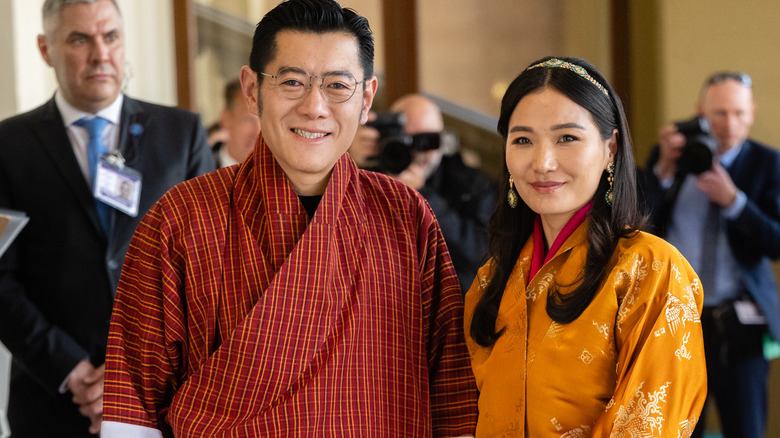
point(553, 127)
point(80, 34)
point(285, 69)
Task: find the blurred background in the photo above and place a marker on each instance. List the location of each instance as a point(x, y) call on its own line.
point(461, 53)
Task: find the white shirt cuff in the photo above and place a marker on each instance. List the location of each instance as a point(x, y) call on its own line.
point(664, 182)
point(736, 208)
point(113, 429)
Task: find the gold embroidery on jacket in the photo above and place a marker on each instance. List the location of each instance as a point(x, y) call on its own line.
point(643, 416)
point(678, 313)
point(580, 432)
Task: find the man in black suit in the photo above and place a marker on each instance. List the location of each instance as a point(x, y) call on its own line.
point(740, 190)
point(57, 280)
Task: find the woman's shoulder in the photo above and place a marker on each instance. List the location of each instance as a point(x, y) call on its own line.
point(646, 258)
point(645, 244)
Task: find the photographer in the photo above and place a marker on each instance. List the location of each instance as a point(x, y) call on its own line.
point(724, 217)
point(461, 196)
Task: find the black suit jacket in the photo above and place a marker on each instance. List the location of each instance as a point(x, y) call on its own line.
point(462, 198)
point(57, 280)
point(754, 235)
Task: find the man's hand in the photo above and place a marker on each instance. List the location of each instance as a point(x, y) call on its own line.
point(86, 384)
point(671, 146)
point(413, 176)
point(718, 185)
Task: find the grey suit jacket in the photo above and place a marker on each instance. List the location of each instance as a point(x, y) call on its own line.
point(57, 280)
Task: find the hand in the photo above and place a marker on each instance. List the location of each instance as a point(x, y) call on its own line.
point(718, 185)
point(671, 146)
point(413, 176)
point(86, 384)
point(365, 146)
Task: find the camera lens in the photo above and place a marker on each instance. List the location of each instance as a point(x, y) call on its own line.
point(697, 154)
point(396, 154)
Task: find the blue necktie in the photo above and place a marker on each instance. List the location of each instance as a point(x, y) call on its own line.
point(709, 248)
point(95, 149)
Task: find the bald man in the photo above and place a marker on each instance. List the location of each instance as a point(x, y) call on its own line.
point(461, 196)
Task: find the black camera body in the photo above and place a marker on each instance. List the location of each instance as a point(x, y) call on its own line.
point(700, 146)
point(396, 146)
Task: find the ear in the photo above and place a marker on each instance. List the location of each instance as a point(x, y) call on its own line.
point(612, 144)
point(700, 108)
point(43, 47)
point(250, 88)
point(368, 98)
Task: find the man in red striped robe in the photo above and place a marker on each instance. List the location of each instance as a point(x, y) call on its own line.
point(293, 294)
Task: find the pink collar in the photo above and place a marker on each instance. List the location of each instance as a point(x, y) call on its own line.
point(540, 257)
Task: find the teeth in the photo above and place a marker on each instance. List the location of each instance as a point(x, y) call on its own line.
point(307, 134)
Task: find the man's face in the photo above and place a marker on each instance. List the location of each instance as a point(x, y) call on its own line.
point(308, 135)
point(729, 108)
point(87, 52)
point(242, 126)
point(422, 116)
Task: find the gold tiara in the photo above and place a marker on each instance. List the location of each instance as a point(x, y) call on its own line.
point(555, 62)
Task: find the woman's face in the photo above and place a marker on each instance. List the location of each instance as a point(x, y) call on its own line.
point(556, 156)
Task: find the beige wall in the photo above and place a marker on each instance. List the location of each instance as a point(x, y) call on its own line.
point(693, 38)
point(470, 54)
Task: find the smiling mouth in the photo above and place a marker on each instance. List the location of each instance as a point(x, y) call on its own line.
point(546, 184)
point(310, 135)
point(546, 187)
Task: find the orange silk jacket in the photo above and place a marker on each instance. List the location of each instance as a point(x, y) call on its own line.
point(632, 365)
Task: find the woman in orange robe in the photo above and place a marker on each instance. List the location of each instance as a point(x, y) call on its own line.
point(580, 324)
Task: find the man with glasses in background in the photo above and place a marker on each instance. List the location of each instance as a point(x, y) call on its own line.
point(724, 217)
point(294, 294)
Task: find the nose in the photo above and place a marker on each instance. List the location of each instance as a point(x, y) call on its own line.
point(544, 158)
point(100, 51)
point(733, 121)
point(314, 103)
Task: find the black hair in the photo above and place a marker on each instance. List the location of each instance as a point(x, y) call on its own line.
point(317, 16)
point(510, 228)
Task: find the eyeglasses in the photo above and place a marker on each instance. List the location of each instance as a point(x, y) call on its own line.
point(721, 77)
point(294, 83)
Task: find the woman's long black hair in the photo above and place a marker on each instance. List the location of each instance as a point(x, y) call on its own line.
point(510, 228)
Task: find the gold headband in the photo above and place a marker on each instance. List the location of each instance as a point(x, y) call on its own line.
point(555, 62)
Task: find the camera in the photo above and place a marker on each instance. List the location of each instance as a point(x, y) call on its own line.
point(396, 147)
point(699, 147)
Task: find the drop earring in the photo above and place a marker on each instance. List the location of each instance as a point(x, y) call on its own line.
point(609, 195)
point(511, 195)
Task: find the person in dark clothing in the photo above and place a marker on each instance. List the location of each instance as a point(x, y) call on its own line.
point(461, 196)
point(732, 253)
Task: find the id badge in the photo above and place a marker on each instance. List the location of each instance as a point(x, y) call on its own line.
point(118, 185)
point(748, 313)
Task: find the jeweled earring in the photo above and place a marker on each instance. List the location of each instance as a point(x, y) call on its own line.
point(511, 195)
point(609, 196)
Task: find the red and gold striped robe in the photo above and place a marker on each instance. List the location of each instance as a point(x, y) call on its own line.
point(236, 316)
